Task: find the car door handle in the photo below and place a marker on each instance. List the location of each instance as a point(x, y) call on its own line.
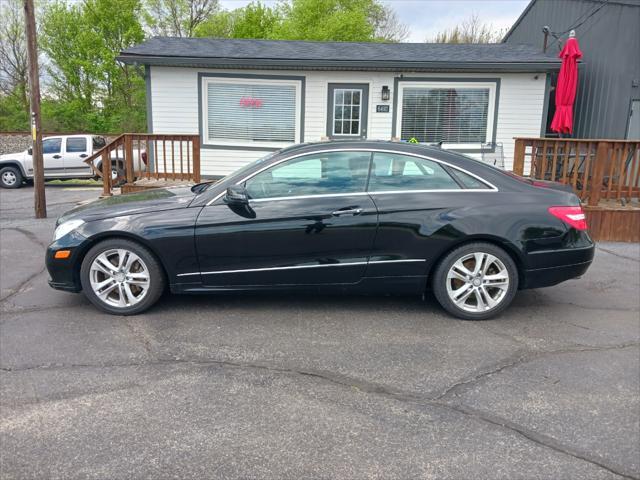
point(57, 156)
point(83, 155)
point(348, 211)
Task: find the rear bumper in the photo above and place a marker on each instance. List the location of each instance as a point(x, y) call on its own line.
point(558, 266)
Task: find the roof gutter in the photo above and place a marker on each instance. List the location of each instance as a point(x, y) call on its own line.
point(319, 64)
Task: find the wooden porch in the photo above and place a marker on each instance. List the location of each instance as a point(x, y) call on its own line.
point(605, 174)
point(139, 161)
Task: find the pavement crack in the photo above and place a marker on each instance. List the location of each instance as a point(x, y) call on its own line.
point(139, 335)
point(542, 440)
point(20, 288)
point(619, 255)
point(397, 395)
point(29, 234)
point(522, 358)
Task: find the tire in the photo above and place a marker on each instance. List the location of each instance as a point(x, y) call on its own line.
point(118, 175)
point(121, 291)
point(11, 177)
point(488, 290)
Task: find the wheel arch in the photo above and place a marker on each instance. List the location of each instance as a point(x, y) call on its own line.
point(117, 235)
point(506, 245)
point(13, 163)
point(116, 161)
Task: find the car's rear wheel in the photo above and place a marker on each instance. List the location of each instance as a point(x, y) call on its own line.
point(121, 277)
point(10, 177)
point(476, 281)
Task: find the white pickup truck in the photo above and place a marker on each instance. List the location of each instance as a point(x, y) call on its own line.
point(64, 157)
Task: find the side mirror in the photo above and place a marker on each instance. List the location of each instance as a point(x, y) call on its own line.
point(236, 195)
point(30, 151)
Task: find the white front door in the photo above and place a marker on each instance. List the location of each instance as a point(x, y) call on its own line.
point(52, 157)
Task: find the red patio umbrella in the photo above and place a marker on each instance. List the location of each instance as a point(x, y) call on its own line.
point(566, 87)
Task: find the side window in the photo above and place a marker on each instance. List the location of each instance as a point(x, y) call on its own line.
point(392, 172)
point(469, 181)
point(314, 174)
point(51, 145)
point(98, 143)
point(76, 145)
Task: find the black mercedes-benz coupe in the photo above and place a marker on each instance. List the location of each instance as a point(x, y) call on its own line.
point(362, 216)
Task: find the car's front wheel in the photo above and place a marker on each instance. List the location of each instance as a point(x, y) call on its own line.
point(476, 281)
point(10, 177)
point(121, 277)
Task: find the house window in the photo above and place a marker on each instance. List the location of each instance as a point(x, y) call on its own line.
point(251, 112)
point(458, 114)
point(347, 109)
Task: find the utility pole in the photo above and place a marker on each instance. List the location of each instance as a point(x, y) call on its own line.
point(34, 92)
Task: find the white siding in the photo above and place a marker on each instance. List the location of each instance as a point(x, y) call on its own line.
point(174, 93)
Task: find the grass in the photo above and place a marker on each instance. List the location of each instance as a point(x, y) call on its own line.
point(76, 181)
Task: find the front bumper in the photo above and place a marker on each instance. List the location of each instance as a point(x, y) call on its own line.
point(65, 273)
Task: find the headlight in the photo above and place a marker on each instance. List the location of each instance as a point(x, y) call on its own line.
point(66, 227)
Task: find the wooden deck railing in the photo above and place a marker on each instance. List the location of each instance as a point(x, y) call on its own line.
point(136, 156)
point(596, 169)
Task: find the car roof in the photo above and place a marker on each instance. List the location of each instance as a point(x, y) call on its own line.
point(436, 152)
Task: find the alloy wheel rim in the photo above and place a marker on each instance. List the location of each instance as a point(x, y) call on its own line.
point(9, 178)
point(477, 282)
point(119, 278)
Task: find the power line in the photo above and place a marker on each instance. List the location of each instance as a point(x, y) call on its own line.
point(581, 20)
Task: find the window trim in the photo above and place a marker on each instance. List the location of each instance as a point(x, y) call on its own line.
point(459, 82)
point(492, 188)
point(234, 79)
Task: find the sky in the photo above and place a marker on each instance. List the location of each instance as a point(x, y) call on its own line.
point(425, 18)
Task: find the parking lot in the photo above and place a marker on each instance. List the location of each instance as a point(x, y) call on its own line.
point(277, 386)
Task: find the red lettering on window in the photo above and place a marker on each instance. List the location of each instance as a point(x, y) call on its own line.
point(250, 102)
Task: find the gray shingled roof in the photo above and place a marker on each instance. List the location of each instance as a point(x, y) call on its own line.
point(228, 53)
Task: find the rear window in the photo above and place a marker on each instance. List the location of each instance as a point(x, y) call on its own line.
point(397, 172)
point(78, 144)
point(469, 181)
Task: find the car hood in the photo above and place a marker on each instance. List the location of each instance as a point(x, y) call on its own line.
point(152, 200)
point(12, 156)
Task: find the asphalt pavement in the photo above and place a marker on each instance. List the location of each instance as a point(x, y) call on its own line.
point(290, 387)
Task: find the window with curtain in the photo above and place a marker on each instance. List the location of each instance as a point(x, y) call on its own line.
point(251, 112)
point(457, 115)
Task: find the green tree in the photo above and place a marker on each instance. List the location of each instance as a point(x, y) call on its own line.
point(471, 30)
point(13, 53)
point(255, 20)
point(338, 20)
point(177, 18)
point(328, 20)
point(90, 90)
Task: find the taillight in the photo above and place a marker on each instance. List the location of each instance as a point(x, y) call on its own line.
point(574, 216)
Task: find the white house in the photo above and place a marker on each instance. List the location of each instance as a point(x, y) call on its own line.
point(248, 97)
